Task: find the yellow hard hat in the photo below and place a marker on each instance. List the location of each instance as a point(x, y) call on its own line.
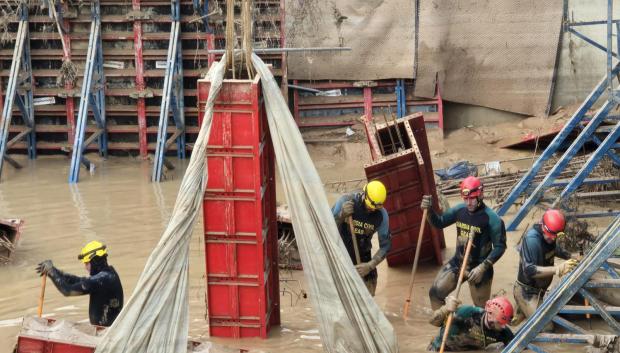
point(374, 194)
point(92, 249)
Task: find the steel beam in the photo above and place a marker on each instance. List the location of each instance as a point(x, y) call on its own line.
point(92, 96)
point(557, 142)
point(172, 98)
point(20, 79)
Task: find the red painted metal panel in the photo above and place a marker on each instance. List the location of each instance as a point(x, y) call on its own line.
point(408, 175)
point(140, 84)
point(239, 213)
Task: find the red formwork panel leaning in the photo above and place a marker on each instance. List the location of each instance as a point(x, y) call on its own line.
point(239, 208)
point(403, 164)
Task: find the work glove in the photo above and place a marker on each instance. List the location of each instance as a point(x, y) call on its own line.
point(364, 268)
point(566, 267)
point(475, 275)
point(45, 267)
point(427, 202)
point(452, 303)
point(347, 209)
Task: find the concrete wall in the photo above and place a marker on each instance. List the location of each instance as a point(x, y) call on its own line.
point(581, 66)
point(457, 115)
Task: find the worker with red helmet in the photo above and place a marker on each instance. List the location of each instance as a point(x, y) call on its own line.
point(489, 243)
point(473, 328)
point(537, 251)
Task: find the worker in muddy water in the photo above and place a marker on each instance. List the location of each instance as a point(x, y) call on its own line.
point(473, 328)
point(103, 285)
point(489, 244)
point(366, 211)
point(537, 267)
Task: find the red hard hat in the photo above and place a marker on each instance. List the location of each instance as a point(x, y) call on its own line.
point(499, 310)
point(471, 187)
point(553, 222)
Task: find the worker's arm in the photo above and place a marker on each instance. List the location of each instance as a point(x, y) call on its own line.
point(71, 285)
point(385, 239)
point(343, 208)
point(506, 336)
point(445, 219)
point(498, 237)
point(439, 316)
point(532, 254)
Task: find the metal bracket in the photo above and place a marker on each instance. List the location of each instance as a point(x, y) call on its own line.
point(92, 95)
point(19, 90)
point(172, 99)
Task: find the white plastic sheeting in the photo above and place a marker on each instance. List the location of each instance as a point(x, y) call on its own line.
point(349, 318)
point(156, 317)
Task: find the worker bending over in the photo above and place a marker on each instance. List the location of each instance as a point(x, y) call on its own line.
point(489, 244)
point(536, 265)
point(473, 328)
point(369, 217)
point(103, 285)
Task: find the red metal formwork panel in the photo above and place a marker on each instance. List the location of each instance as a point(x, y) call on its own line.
point(407, 174)
point(239, 212)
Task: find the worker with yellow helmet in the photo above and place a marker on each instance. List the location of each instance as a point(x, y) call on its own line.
point(103, 285)
point(368, 216)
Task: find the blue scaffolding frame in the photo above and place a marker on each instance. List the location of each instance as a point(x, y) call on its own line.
point(401, 99)
point(92, 96)
point(578, 281)
point(19, 91)
point(605, 147)
point(172, 100)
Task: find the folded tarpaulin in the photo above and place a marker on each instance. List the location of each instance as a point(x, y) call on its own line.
point(349, 318)
point(156, 317)
point(458, 170)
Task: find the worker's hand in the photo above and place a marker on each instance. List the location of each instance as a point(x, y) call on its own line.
point(347, 209)
point(45, 267)
point(427, 202)
point(475, 275)
point(364, 268)
point(452, 303)
point(566, 267)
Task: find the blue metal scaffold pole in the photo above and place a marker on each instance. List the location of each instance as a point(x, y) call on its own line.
point(93, 96)
point(19, 91)
point(587, 134)
point(172, 100)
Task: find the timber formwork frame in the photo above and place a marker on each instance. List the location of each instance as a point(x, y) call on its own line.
point(577, 282)
point(19, 91)
point(587, 134)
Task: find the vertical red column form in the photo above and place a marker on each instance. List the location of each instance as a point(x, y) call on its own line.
point(239, 211)
point(140, 84)
point(210, 47)
point(368, 103)
point(69, 101)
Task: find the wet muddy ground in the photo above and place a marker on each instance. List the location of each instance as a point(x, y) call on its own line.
point(119, 206)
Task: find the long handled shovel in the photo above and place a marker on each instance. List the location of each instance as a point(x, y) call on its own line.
point(458, 289)
point(415, 264)
point(354, 240)
point(42, 295)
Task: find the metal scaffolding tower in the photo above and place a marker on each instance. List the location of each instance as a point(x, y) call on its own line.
point(19, 91)
point(605, 147)
point(172, 99)
point(93, 96)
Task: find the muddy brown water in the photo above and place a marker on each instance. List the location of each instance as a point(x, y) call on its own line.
point(119, 206)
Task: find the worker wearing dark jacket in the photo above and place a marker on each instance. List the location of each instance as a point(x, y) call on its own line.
point(537, 266)
point(369, 217)
point(103, 285)
point(473, 328)
point(489, 244)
